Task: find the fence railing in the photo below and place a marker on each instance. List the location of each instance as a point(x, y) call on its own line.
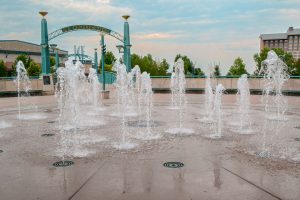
point(110, 77)
point(203, 76)
point(14, 78)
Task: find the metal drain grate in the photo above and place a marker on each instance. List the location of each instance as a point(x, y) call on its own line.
point(173, 164)
point(64, 163)
point(51, 122)
point(47, 134)
point(1, 151)
point(297, 139)
point(298, 127)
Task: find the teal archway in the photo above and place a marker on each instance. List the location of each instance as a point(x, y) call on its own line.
point(45, 38)
point(72, 28)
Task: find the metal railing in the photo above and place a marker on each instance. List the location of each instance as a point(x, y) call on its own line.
point(110, 77)
point(203, 76)
point(14, 78)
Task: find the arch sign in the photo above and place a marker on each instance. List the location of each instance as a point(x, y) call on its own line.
point(45, 38)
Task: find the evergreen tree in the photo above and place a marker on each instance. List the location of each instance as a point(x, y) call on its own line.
point(238, 68)
point(3, 72)
point(217, 71)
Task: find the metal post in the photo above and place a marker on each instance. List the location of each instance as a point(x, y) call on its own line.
point(103, 61)
point(56, 59)
point(96, 61)
point(45, 45)
point(127, 55)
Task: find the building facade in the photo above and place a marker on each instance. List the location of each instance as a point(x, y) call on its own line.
point(11, 49)
point(289, 41)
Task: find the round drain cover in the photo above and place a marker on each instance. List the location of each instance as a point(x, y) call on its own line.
point(64, 163)
point(1, 151)
point(47, 134)
point(173, 164)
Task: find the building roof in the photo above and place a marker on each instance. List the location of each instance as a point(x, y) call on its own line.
point(281, 36)
point(293, 31)
point(21, 46)
point(274, 36)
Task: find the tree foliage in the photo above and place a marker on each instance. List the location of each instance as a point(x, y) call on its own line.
point(285, 56)
point(109, 58)
point(3, 72)
point(238, 68)
point(295, 70)
point(188, 64)
point(52, 61)
point(217, 71)
point(33, 69)
point(148, 64)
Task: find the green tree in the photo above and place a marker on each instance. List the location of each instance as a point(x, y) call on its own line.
point(199, 72)
point(285, 56)
point(163, 66)
point(26, 60)
point(238, 68)
point(150, 65)
point(217, 71)
point(34, 69)
point(109, 58)
point(188, 64)
point(52, 61)
point(295, 71)
point(3, 72)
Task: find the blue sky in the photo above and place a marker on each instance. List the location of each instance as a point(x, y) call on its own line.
point(208, 31)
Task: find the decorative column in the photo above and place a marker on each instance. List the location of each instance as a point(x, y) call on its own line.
point(127, 45)
point(103, 61)
point(44, 45)
point(96, 61)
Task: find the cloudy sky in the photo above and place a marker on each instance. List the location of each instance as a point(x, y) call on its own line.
point(208, 31)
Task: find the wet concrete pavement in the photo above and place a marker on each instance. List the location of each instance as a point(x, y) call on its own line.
point(213, 169)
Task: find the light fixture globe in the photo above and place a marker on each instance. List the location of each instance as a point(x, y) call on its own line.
point(43, 13)
point(126, 17)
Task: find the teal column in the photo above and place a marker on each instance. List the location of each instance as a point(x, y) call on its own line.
point(45, 45)
point(96, 61)
point(56, 59)
point(127, 45)
point(103, 61)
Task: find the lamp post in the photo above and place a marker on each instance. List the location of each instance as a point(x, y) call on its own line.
point(127, 45)
point(96, 60)
point(44, 45)
point(103, 61)
point(55, 50)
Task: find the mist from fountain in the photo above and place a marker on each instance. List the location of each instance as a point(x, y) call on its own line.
point(134, 78)
point(179, 84)
point(217, 113)
point(244, 125)
point(77, 92)
point(123, 87)
point(275, 75)
point(174, 103)
point(146, 99)
point(209, 96)
point(23, 84)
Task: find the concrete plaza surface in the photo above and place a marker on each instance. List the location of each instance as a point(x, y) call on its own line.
point(227, 168)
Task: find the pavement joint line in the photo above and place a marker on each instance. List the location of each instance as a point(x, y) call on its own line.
point(86, 181)
point(251, 183)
